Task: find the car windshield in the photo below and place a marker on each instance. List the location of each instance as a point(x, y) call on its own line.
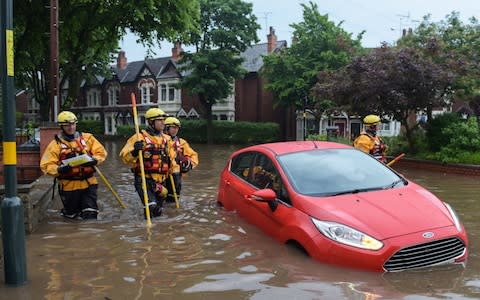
point(337, 171)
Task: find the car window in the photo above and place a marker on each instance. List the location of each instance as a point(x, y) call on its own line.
point(265, 175)
point(326, 172)
point(241, 164)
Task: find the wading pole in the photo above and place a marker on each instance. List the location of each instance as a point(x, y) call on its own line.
point(395, 159)
point(174, 190)
point(140, 162)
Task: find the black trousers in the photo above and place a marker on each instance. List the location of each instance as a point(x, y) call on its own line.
point(80, 202)
point(155, 201)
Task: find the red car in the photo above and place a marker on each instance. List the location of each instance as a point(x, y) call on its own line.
point(341, 206)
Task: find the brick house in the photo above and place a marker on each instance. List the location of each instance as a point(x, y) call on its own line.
point(154, 83)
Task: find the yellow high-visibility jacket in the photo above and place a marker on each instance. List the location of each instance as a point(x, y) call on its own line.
point(50, 160)
point(132, 161)
point(182, 148)
point(372, 145)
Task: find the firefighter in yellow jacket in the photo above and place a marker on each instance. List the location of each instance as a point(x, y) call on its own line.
point(71, 158)
point(157, 160)
point(368, 141)
point(185, 157)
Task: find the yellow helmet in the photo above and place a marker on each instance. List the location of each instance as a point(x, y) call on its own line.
point(154, 113)
point(66, 117)
point(371, 120)
point(172, 121)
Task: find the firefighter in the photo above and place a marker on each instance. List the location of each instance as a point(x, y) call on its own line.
point(185, 157)
point(71, 158)
point(157, 160)
point(368, 141)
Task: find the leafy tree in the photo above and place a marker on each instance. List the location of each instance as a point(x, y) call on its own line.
point(390, 82)
point(227, 28)
point(319, 44)
point(89, 32)
point(454, 43)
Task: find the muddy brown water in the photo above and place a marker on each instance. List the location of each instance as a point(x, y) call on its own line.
point(200, 251)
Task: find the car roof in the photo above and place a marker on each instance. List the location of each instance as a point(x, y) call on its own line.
point(280, 148)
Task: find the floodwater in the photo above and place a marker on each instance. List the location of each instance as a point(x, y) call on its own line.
point(200, 251)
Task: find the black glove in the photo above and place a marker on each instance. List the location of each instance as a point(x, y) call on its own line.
point(185, 165)
point(91, 163)
point(63, 169)
point(136, 148)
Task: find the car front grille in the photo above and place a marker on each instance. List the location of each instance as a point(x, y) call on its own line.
point(424, 255)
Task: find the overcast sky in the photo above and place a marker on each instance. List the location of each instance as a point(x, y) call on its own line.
point(383, 20)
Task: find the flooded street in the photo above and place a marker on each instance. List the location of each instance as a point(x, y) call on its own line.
point(200, 251)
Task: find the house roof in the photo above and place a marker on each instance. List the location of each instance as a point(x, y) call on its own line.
point(253, 62)
point(253, 56)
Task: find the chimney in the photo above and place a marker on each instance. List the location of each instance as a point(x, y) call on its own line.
point(272, 40)
point(177, 51)
point(121, 60)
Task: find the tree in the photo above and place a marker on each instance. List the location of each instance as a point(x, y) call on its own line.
point(390, 82)
point(453, 43)
point(227, 28)
point(319, 44)
point(89, 34)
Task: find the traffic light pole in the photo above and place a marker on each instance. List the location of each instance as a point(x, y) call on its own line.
point(13, 228)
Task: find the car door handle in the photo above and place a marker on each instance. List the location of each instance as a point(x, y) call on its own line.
point(227, 182)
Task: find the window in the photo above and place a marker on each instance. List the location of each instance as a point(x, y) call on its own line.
point(171, 93)
point(168, 92)
point(113, 95)
point(265, 176)
point(241, 164)
point(145, 88)
point(163, 92)
point(385, 127)
point(93, 98)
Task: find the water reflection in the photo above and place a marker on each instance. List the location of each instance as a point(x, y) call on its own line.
point(203, 252)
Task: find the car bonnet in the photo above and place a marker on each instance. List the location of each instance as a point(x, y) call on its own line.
point(382, 214)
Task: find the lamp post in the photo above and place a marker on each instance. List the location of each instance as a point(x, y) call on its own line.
point(13, 228)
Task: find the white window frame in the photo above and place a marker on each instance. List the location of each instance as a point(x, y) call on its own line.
point(113, 93)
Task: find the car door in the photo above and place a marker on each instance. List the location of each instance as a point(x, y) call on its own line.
point(236, 183)
point(265, 175)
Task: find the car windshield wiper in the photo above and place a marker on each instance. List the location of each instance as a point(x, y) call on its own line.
point(393, 184)
point(356, 191)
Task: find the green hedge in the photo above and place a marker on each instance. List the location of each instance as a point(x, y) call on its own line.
point(195, 131)
point(90, 126)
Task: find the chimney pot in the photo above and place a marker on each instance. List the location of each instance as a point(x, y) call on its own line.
point(177, 51)
point(271, 40)
point(121, 60)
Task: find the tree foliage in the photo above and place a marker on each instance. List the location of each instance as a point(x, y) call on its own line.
point(451, 42)
point(390, 82)
point(89, 32)
point(318, 44)
point(227, 28)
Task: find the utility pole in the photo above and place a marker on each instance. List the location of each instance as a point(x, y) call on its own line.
point(54, 65)
point(13, 228)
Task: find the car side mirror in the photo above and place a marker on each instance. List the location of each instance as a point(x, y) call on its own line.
point(266, 195)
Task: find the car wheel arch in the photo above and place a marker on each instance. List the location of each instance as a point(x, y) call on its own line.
point(298, 246)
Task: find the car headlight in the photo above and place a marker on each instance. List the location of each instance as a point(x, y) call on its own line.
point(347, 235)
point(455, 218)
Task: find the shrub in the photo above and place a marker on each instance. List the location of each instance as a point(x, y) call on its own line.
point(435, 137)
point(195, 131)
point(91, 126)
